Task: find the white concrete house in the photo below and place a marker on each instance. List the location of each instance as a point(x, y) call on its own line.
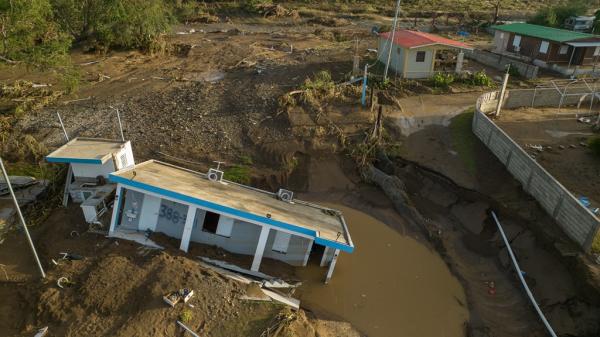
point(187, 205)
point(414, 54)
point(90, 162)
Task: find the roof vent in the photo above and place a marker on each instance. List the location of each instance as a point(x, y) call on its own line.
point(214, 175)
point(285, 195)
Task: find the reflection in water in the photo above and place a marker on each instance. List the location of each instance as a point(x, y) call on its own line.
point(391, 286)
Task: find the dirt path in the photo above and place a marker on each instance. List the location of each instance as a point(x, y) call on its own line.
point(421, 111)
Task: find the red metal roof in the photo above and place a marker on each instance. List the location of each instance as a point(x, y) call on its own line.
point(414, 39)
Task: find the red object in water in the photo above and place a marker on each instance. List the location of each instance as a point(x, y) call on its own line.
point(491, 288)
point(414, 39)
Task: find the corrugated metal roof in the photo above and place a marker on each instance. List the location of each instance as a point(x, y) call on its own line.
point(414, 39)
point(546, 33)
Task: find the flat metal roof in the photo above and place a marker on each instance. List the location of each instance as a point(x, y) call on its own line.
point(325, 225)
point(86, 151)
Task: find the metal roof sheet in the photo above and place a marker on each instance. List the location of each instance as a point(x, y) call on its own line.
point(414, 39)
point(545, 33)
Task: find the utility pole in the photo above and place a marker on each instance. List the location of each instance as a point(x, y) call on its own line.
point(12, 194)
point(389, 57)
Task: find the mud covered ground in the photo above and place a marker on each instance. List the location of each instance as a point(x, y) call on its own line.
point(564, 143)
point(215, 95)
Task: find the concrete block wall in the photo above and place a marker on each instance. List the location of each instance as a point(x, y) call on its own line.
point(500, 62)
point(576, 220)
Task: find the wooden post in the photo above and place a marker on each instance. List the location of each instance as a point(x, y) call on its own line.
point(65, 200)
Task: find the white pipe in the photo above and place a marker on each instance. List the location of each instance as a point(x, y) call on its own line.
point(12, 194)
point(520, 274)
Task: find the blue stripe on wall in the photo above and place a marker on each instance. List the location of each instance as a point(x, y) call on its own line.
point(73, 160)
point(225, 209)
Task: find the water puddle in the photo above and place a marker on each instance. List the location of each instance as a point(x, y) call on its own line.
point(391, 286)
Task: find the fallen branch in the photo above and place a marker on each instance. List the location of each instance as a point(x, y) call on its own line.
point(8, 60)
point(77, 100)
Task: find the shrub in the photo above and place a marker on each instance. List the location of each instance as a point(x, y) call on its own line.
point(29, 34)
point(480, 78)
point(555, 16)
point(594, 145)
point(253, 6)
point(514, 71)
point(186, 316)
point(442, 80)
point(238, 174)
point(101, 24)
point(321, 82)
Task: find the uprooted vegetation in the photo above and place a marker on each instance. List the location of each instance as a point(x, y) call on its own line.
point(16, 100)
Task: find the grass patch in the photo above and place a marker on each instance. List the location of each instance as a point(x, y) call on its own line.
point(238, 173)
point(596, 244)
point(39, 171)
point(463, 139)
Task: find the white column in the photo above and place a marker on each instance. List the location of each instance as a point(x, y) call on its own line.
point(324, 258)
point(67, 185)
point(459, 62)
point(332, 266)
point(187, 230)
point(260, 248)
point(116, 209)
point(310, 244)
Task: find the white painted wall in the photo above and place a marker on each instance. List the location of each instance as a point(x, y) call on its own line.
point(127, 154)
point(149, 213)
point(416, 69)
point(500, 41)
point(93, 170)
point(396, 59)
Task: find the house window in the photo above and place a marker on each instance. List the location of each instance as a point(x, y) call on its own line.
point(563, 49)
point(501, 35)
point(544, 47)
point(517, 41)
point(398, 50)
point(597, 51)
point(211, 222)
point(420, 56)
point(281, 242)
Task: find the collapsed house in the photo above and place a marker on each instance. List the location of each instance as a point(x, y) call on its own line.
point(204, 208)
point(565, 51)
point(90, 162)
point(421, 55)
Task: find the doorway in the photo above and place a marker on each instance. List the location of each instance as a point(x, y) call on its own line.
point(316, 254)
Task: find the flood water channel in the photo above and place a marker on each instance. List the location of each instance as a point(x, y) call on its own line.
point(390, 286)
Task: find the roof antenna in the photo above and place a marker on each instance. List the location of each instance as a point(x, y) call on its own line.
point(63, 126)
point(218, 163)
point(119, 119)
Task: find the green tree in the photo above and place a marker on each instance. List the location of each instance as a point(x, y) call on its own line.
point(103, 24)
point(555, 16)
point(28, 34)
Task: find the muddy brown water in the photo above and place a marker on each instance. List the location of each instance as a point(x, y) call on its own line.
point(390, 286)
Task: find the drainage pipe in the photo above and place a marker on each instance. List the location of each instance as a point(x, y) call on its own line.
point(522, 279)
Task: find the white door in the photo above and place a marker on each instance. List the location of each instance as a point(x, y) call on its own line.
point(281, 242)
